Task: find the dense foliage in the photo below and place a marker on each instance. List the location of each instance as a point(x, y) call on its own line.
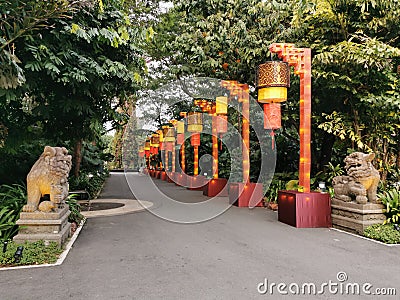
point(355, 56)
point(384, 233)
point(12, 199)
point(33, 254)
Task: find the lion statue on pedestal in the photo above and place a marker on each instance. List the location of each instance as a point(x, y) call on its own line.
point(49, 175)
point(361, 181)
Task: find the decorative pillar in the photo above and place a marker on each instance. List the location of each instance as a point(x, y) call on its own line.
point(300, 59)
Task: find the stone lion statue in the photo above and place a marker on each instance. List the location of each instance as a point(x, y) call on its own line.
point(49, 175)
point(361, 181)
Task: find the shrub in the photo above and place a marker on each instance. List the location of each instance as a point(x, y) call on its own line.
point(384, 233)
point(91, 182)
point(33, 253)
point(75, 209)
point(391, 200)
point(12, 199)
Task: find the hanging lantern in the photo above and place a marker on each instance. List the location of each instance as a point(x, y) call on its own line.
point(169, 135)
point(155, 140)
point(147, 145)
point(141, 152)
point(272, 116)
point(195, 139)
point(221, 124)
point(180, 127)
point(273, 79)
point(180, 138)
point(169, 146)
point(221, 105)
point(195, 122)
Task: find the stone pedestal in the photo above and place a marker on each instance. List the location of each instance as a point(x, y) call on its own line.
point(354, 217)
point(47, 226)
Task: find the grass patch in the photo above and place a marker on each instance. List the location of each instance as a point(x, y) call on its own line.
point(34, 253)
point(384, 233)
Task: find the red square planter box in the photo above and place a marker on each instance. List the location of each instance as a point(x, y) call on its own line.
point(163, 175)
point(216, 187)
point(304, 210)
point(170, 177)
point(157, 174)
point(250, 195)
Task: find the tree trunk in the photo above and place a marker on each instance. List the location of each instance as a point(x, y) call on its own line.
point(326, 151)
point(77, 157)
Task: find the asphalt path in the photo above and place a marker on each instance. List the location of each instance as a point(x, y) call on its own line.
point(232, 256)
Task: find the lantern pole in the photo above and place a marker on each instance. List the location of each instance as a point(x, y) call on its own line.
point(215, 145)
point(244, 98)
point(300, 59)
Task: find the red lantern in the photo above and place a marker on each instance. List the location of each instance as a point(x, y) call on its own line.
point(221, 124)
point(180, 138)
point(195, 139)
point(272, 116)
point(169, 146)
point(147, 153)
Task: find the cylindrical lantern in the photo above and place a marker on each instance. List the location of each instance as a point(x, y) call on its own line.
point(272, 116)
point(180, 127)
point(273, 79)
point(195, 122)
point(160, 134)
point(195, 139)
point(221, 105)
point(155, 140)
point(180, 138)
point(147, 145)
point(221, 124)
point(169, 135)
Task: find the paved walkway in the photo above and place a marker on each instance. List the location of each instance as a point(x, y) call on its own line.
point(141, 256)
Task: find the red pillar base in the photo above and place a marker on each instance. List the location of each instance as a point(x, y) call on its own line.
point(249, 195)
point(304, 210)
point(196, 183)
point(216, 187)
point(163, 175)
point(170, 177)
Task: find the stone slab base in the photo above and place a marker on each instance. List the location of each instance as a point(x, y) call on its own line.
point(354, 217)
point(52, 226)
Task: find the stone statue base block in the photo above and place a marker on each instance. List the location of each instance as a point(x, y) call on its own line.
point(354, 217)
point(50, 226)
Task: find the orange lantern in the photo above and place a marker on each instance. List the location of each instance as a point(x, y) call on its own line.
point(272, 116)
point(273, 79)
point(221, 124)
point(195, 139)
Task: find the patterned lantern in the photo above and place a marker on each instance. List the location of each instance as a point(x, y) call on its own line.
point(273, 79)
point(195, 122)
point(169, 135)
